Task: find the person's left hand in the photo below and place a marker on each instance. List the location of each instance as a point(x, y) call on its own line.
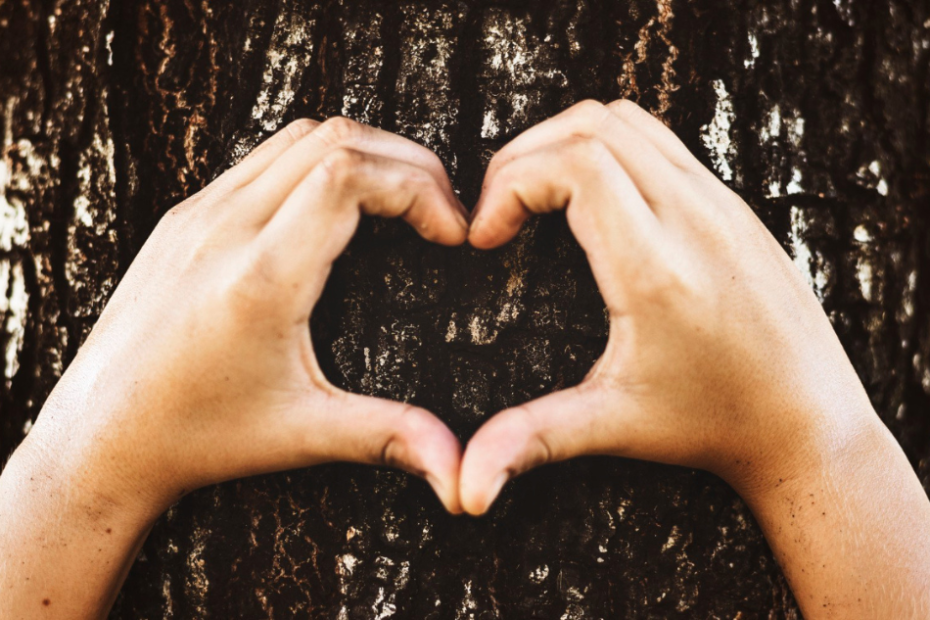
point(719, 353)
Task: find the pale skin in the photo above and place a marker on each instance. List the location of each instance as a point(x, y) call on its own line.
point(201, 368)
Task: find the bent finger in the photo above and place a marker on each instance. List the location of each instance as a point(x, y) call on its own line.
point(658, 133)
point(605, 210)
point(263, 155)
point(318, 218)
point(280, 178)
point(652, 172)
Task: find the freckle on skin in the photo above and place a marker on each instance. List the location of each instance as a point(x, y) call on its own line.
point(46, 602)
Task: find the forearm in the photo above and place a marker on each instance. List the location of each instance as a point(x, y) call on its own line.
point(851, 529)
point(66, 543)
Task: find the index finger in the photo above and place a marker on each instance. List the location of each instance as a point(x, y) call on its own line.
point(605, 210)
point(282, 175)
point(647, 161)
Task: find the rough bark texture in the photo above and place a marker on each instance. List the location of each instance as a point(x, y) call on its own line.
point(817, 112)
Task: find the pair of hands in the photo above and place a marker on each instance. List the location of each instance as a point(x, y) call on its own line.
point(201, 368)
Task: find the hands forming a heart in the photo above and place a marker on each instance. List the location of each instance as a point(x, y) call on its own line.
point(217, 375)
point(201, 368)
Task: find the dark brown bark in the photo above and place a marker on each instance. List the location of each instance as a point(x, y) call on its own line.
point(816, 112)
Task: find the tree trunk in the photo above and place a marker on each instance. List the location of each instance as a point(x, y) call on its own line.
point(816, 112)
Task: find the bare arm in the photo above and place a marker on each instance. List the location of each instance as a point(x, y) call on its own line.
point(851, 528)
point(719, 357)
point(201, 367)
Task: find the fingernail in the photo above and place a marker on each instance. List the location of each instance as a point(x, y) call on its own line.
point(496, 487)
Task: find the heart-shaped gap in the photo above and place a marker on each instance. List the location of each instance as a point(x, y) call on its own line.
point(461, 332)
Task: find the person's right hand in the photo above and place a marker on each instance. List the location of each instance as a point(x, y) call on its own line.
point(201, 367)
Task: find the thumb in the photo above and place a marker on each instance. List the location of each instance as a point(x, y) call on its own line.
point(364, 429)
point(573, 422)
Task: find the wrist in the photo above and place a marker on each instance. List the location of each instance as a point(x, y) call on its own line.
point(846, 518)
point(67, 539)
point(93, 479)
point(803, 455)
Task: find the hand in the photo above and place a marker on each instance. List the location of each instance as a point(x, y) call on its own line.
point(719, 357)
point(719, 354)
point(201, 368)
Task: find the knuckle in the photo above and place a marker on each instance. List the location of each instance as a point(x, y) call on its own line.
point(418, 180)
point(388, 456)
point(538, 446)
point(248, 290)
point(193, 213)
point(625, 109)
point(589, 110)
point(667, 287)
point(394, 448)
point(339, 166)
point(498, 160)
point(433, 165)
point(542, 452)
point(434, 160)
point(338, 129)
point(296, 130)
point(507, 173)
point(587, 152)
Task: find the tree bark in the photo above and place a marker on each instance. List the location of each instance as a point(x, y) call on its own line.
point(816, 112)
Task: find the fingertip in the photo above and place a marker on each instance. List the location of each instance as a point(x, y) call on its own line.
point(439, 219)
point(472, 503)
point(478, 240)
point(459, 235)
point(487, 465)
point(508, 444)
point(476, 500)
point(453, 237)
point(447, 493)
point(484, 235)
point(496, 219)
